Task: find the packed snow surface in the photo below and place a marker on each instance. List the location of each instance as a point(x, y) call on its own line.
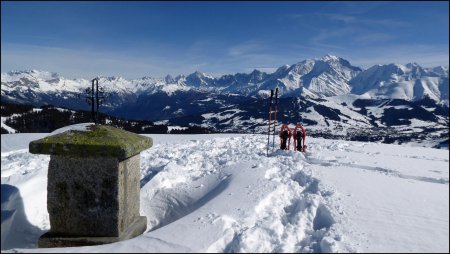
point(221, 193)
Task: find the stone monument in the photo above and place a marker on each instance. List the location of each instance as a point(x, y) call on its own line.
point(93, 186)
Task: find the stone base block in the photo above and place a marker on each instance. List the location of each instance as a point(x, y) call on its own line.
point(51, 240)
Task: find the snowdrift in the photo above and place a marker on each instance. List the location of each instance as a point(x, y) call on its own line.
point(220, 193)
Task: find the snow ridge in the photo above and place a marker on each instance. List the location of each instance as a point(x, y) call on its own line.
point(324, 77)
point(396, 81)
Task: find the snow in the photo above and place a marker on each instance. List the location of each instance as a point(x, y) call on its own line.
point(315, 78)
point(227, 114)
point(220, 193)
point(172, 88)
point(6, 127)
point(396, 81)
point(162, 122)
point(205, 100)
point(179, 111)
point(176, 127)
point(74, 127)
point(18, 141)
point(63, 110)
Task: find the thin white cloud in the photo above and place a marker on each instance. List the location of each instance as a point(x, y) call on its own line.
point(247, 47)
point(338, 17)
point(361, 20)
point(203, 48)
point(373, 38)
point(326, 35)
point(76, 63)
point(354, 28)
point(73, 63)
point(424, 55)
point(356, 8)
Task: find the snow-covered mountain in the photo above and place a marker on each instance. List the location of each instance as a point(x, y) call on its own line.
point(328, 76)
point(324, 77)
point(409, 82)
point(329, 94)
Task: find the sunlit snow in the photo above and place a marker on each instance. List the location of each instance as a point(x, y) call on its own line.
point(221, 193)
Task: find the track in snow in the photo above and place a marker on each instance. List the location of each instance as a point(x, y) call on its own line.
point(288, 210)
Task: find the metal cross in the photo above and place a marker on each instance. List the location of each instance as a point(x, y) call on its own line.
point(94, 97)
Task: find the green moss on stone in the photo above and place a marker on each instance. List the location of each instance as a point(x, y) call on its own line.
point(97, 141)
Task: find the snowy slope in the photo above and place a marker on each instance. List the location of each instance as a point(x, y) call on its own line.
point(6, 127)
point(327, 76)
point(351, 117)
point(409, 82)
point(220, 193)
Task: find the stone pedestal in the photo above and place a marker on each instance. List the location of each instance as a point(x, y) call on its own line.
point(93, 186)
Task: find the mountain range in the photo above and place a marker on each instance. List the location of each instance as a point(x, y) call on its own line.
point(328, 76)
point(329, 94)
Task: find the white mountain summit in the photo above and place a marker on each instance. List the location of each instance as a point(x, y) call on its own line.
point(396, 81)
point(324, 77)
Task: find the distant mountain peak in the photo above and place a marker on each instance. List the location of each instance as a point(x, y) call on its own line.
point(169, 79)
point(330, 57)
point(328, 76)
point(410, 65)
point(200, 75)
point(414, 66)
point(441, 70)
point(111, 78)
point(283, 68)
point(30, 71)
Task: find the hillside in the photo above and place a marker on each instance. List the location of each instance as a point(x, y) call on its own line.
point(220, 193)
point(18, 118)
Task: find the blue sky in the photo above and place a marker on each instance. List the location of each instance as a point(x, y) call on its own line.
point(136, 39)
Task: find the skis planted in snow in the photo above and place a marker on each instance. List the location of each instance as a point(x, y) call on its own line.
point(270, 116)
point(275, 118)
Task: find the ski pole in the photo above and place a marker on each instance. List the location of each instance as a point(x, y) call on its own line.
point(275, 118)
point(270, 115)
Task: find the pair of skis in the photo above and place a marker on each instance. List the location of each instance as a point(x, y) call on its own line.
point(274, 113)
